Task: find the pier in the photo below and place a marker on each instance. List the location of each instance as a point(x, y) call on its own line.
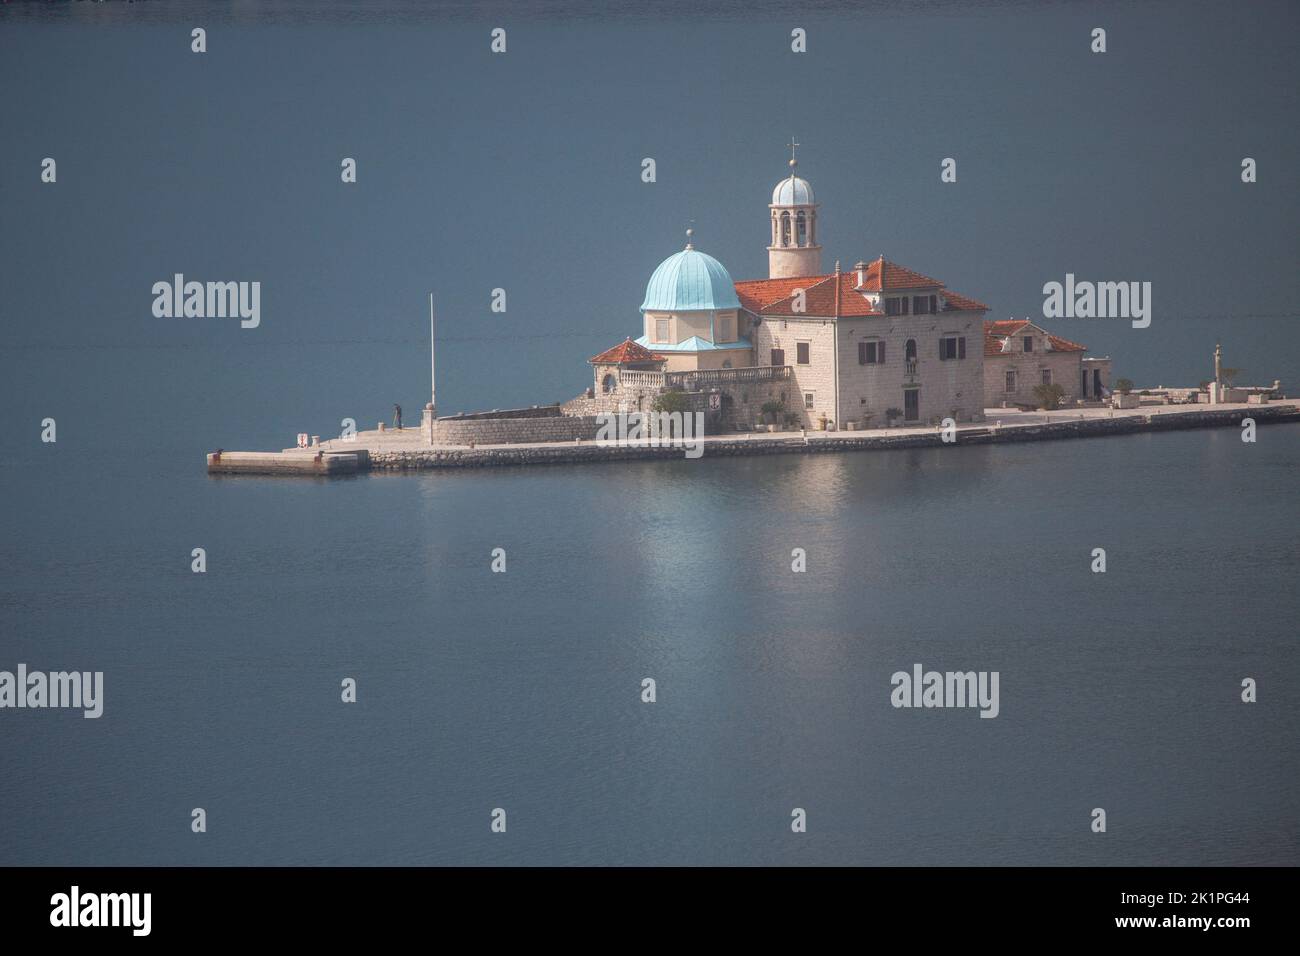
point(294, 461)
point(409, 449)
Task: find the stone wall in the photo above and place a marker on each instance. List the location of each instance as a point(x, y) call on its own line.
point(534, 411)
point(498, 430)
point(817, 378)
point(944, 386)
point(1029, 366)
point(741, 403)
point(844, 441)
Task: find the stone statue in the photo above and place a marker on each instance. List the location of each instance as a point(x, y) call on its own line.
point(1218, 364)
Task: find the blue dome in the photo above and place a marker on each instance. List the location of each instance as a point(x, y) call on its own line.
point(690, 281)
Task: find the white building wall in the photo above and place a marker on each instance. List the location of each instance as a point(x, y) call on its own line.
point(817, 378)
point(945, 386)
point(1066, 368)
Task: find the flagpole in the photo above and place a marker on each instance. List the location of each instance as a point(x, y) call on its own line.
point(433, 366)
point(433, 374)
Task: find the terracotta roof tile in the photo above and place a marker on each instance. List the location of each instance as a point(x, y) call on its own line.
point(963, 303)
point(996, 331)
point(1065, 345)
point(625, 353)
point(776, 296)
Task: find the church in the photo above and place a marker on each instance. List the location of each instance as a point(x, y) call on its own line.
point(872, 345)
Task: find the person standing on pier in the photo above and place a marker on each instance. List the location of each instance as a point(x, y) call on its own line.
point(397, 416)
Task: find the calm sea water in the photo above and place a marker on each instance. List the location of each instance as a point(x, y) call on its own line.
point(522, 690)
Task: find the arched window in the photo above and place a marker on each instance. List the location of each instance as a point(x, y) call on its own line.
point(801, 229)
point(607, 384)
point(785, 229)
point(726, 363)
point(909, 350)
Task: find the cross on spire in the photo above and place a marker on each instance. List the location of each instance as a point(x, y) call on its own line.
point(793, 144)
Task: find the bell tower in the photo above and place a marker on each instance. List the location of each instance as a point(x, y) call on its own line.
point(794, 250)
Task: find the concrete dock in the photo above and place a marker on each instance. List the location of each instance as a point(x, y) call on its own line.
point(409, 450)
point(289, 462)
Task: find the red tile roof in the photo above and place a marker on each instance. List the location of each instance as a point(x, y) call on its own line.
point(996, 331)
point(754, 294)
point(885, 276)
point(625, 353)
point(776, 296)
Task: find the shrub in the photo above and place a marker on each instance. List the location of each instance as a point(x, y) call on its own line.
point(1123, 385)
point(671, 402)
point(1049, 396)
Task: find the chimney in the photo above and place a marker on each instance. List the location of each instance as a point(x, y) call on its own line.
point(861, 268)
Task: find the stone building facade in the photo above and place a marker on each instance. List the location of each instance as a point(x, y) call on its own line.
point(1019, 355)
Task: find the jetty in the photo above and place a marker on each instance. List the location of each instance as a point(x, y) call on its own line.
point(410, 449)
point(291, 461)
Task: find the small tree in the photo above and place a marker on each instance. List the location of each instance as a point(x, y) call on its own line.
point(671, 402)
point(1123, 385)
point(1228, 374)
point(773, 410)
point(1049, 396)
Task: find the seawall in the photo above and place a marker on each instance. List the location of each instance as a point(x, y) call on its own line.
point(786, 443)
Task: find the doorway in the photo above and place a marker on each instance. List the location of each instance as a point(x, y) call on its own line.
point(911, 404)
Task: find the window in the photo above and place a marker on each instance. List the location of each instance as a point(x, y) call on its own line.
point(1047, 376)
point(801, 353)
point(952, 347)
point(661, 330)
point(726, 363)
point(785, 229)
point(1011, 380)
point(891, 307)
point(871, 353)
point(934, 303)
point(607, 384)
point(921, 304)
point(808, 400)
point(897, 305)
point(778, 356)
point(1029, 343)
point(801, 229)
point(903, 304)
point(724, 330)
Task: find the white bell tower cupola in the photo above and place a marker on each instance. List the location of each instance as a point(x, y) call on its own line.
point(794, 250)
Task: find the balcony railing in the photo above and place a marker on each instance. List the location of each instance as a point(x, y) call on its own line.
point(640, 379)
point(909, 366)
point(692, 381)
